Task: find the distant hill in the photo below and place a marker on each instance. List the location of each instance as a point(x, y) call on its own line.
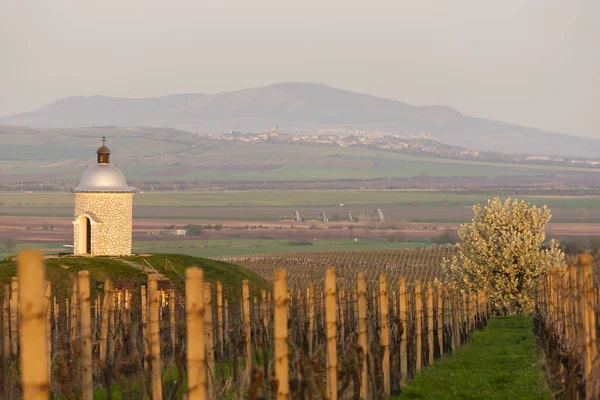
point(302, 106)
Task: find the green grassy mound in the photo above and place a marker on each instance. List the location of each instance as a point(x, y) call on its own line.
point(60, 271)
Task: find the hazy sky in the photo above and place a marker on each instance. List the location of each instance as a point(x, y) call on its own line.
point(535, 62)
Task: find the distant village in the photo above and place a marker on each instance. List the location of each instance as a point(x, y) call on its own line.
point(339, 137)
point(418, 144)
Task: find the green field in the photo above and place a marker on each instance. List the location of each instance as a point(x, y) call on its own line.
point(292, 198)
point(233, 247)
point(47, 248)
point(501, 362)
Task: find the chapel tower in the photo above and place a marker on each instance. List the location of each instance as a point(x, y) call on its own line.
point(103, 210)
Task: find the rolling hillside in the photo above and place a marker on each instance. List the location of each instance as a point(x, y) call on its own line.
point(150, 155)
point(61, 270)
point(301, 106)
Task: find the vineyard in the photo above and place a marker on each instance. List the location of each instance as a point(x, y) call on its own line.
point(304, 268)
point(567, 325)
point(348, 332)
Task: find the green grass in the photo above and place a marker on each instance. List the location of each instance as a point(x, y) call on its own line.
point(500, 363)
point(230, 275)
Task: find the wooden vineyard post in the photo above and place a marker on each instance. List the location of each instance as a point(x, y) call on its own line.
point(455, 318)
point(418, 322)
point(472, 302)
point(83, 286)
point(145, 341)
point(6, 321)
point(403, 342)
point(430, 322)
point(226, 320)
point(331, 325)
point(255, 306)
point(154, 337)
point(384, 334)
point(321, 314)
point(247, 331)
point(269, 304)
point(362, 333)
point(47, 295)
point(74, 311)
point(209, 340)
point(281, 334)
point(557, 298)
point(568, 304)
point(172, 320)
point(467, 311)
point(289, 294)
point(341, 314)
point(97, 303)
point(220, 316)
point(34, 361)
point(477, 307)
point(354, 305)
point(196, 358)
point(255, 311)
point(464, 314)
point(106, 310)
point(578, 331)
point(374, 302)
point(589, 324)
point(67, 314)
point(440, 318)
point(14, 315)
point(264, 309)
point(311, 316)
point(128, 306)
point(550, 282)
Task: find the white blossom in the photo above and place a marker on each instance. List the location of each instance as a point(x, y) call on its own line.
point(500, 252)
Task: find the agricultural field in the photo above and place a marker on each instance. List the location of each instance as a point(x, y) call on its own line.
point(252, 222)
point(218, 248)
point(394, 327)
point(291, 199)
point(399, 205)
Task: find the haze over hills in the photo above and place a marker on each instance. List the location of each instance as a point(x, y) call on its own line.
point(297, 106)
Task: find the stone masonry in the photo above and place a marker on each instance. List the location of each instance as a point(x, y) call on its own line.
point(110, 215)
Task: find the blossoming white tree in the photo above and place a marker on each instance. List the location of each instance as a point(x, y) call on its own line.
point(500, 252)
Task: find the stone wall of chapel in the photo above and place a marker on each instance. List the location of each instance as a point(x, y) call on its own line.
point(111, 236)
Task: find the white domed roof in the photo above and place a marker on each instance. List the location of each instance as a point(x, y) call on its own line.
point(103, 178)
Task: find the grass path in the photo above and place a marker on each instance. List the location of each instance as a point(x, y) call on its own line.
point(501, 362)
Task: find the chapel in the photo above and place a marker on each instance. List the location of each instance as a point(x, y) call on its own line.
point(103, 210)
